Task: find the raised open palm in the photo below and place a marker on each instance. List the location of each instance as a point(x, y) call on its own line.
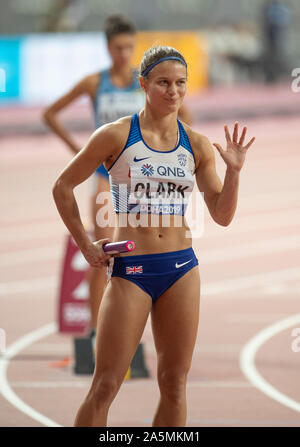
point(234, 155)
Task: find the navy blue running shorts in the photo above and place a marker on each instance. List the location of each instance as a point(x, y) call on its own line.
point(155, 273)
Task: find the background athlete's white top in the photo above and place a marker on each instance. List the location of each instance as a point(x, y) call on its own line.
point(112, 103)
point(145, 180)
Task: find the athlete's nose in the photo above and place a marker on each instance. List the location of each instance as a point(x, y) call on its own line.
point(172, 90)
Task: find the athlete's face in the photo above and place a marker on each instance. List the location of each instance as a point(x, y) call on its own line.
point(121, 48)
point(165, 86)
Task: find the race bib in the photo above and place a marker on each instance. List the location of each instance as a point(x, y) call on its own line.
point(159, 188)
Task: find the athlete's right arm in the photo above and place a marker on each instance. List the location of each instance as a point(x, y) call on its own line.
point(104, 143)
point(87, 86)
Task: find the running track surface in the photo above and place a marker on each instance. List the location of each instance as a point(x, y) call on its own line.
point(245, 369)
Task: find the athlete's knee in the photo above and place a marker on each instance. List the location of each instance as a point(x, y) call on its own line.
point(172, 384)
point(104, 390)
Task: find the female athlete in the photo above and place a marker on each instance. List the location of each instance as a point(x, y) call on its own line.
point(153, 159)
point(114, 93)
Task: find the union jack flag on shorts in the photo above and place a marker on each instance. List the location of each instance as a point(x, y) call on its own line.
point(134, 270)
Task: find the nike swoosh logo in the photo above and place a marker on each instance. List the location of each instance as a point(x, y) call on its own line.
point(140, 159)
point(180, 265)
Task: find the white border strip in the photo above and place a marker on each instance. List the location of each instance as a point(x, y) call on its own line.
point(11, 352)
point(247, 361)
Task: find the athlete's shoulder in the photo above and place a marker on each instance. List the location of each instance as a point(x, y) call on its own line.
point(122, 124)
point(115, 132)
point(92, 81)
point(88, 84)
point(92, 77)
point(200, 144)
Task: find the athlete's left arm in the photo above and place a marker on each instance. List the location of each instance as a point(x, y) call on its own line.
point(185, 115)
point(221, 200)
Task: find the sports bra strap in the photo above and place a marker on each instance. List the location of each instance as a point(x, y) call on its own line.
point(134, 132)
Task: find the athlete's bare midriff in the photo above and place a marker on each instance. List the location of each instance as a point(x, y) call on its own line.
point(156, 238)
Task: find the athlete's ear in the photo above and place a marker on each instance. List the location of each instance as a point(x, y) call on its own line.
point(142, 83)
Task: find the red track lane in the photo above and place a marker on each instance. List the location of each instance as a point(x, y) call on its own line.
point(240, 294)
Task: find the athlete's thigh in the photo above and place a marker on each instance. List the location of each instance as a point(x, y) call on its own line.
point(122, 317)
point(174, 319)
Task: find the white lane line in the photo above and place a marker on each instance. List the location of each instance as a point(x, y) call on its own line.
point(247, 361)
point(50, 348)
point(253, 318)
point(203, 348)
point(5, 388)
point(260, 248)
point(28, 285)
point(219, 384)
point(52, 384)
point(234, 284)
point(241, 224)
point(82, 384)
point(242, 250)
point(249, 224)
point(36, 285)
point(34, 232)
point(34, 255)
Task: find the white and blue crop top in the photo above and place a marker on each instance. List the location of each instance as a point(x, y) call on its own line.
point(148, 181)
point(112, 103)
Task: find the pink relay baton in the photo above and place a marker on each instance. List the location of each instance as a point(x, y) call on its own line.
point(118, 247)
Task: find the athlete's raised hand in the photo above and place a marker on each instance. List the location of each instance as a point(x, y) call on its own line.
point(234, 155)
